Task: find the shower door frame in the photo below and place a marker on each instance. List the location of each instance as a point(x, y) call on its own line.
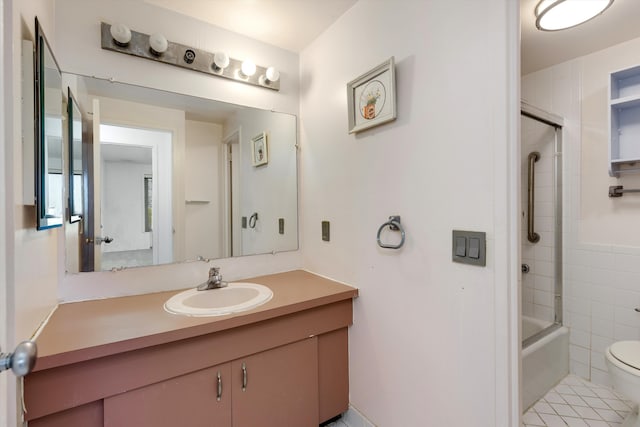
point(557, 122)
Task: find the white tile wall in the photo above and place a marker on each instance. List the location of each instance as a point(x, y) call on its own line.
point(603, 281)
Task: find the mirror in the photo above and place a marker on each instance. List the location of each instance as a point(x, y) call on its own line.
point(175, 177)
point(75, 158)
point(48, 122)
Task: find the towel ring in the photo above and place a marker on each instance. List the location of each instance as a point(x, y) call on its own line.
point(253, 219)
point(393, 224)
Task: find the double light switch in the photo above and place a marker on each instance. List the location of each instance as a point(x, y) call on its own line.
point(469, 247)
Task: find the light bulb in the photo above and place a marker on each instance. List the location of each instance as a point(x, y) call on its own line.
point(248, 68)
point(121, 34)
point(272, 74)
point(158, 44)
point(220, 61)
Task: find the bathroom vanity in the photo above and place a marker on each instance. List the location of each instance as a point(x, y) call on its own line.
point(126, 362)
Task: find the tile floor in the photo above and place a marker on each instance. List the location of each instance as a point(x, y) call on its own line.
point(578, 403)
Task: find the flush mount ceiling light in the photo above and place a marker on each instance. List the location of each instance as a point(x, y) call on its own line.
point(554, 15)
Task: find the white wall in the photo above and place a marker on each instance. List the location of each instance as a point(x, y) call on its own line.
point(203, 183)
point(31, 292)
point(35, 290)
point(428, 342)
point(602, 239)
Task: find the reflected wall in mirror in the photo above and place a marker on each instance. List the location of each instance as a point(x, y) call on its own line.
point(75, 158)
point(173, 177)
point(48, 122)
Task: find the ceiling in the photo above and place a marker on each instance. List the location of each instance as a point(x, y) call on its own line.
point(294, 24)
point(289, 24)
point(541, 49)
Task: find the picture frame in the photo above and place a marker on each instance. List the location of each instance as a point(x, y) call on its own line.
point(371, 98)
point(259, 150)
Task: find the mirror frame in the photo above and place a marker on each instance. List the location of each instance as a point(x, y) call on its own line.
point(44, 221)
point(73, 112)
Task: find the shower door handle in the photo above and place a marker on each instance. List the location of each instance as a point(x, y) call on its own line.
point(532, 236)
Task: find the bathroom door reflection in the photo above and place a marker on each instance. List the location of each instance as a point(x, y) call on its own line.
point(136, 197)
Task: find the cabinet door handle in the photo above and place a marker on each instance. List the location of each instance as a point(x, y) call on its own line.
point(219, 394)
point(244, 377)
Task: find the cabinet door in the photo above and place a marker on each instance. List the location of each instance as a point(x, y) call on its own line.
point(189, 400)
point(280, 387)
point(333, 373)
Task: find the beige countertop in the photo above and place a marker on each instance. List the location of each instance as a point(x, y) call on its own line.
point(90, 329)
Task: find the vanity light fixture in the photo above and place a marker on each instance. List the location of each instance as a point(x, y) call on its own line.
point(554, 15)
point(220, 61)
point(121, 34)
point(158, 44)
point(248, 68)
point(118, 38)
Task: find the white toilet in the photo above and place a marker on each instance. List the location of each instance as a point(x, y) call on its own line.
point(623, 362)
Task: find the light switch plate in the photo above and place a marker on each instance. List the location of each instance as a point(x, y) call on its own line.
point(475, 250)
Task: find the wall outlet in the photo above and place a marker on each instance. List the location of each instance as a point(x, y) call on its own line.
point(326, 235)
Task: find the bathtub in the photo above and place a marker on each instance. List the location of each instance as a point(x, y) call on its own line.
point(545, 361)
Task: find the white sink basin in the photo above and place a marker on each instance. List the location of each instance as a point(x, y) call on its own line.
point(235, 298)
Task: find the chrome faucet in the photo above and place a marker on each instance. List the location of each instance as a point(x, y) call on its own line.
point(214, 281)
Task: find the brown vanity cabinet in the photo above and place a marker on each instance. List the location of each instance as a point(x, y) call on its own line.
point(272, 388)
point(280, 368)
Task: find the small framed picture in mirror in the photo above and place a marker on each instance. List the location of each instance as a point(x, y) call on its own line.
point(260, 154)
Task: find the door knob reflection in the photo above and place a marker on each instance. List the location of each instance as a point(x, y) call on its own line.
point(106, 239)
